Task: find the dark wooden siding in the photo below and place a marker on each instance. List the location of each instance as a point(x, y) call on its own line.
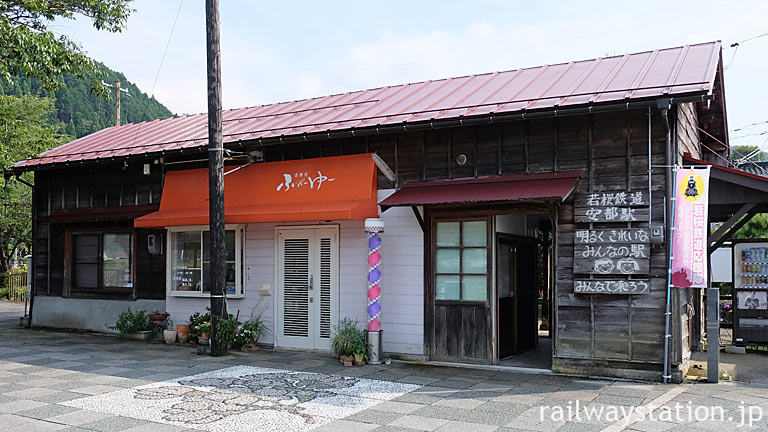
point(83, 190)
point(610, 327)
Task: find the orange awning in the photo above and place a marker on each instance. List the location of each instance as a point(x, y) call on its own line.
point(332, 188)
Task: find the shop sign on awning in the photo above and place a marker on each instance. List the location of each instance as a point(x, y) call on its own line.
point(332, 188)
point(689, 242)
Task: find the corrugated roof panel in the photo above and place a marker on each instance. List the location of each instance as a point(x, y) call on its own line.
point(508, 187)
point(673, 71)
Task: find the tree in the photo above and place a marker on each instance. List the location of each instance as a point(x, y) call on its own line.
point(28, 47)
point(25, 131)
point(756, 228)
point(740, 152)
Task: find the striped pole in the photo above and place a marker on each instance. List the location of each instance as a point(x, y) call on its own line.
point(373, 227)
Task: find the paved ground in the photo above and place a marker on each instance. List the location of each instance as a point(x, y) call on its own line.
point(66, 381)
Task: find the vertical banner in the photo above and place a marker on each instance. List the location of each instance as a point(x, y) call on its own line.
point(689, 241)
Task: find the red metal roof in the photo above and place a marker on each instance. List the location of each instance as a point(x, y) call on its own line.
point(689, 69)
point(485, 189)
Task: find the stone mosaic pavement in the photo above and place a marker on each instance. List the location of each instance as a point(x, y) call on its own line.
point(80, 382)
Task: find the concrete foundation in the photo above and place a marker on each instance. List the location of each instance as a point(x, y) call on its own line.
point(86, 314)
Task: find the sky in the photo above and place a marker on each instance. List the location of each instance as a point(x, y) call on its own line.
point(282, 51)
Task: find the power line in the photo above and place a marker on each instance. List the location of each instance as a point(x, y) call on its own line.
point(167, 44)
point(159, 68)
point(749, 126)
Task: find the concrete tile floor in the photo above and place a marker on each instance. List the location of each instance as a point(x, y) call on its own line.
point(43, 375)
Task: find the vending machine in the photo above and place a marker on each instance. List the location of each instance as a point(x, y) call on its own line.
point(750, 292)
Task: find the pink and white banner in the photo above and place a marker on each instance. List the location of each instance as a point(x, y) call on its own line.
point(689, 239)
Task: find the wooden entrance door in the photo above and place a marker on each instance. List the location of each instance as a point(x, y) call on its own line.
point(461, 289)
point(307, 286)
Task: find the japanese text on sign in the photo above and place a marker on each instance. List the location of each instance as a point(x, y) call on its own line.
point(611, 251)
point(588, 286)
point(617, 235)
point(625, 206)
point(632, 198)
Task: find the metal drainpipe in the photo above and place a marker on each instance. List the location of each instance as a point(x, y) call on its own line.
point(664, 105)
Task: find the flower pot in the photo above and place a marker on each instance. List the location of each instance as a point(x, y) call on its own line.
point(182, 331)
point(140, 335)
point(157, 317)
point(204, 336)
point(359, 360)
point(169, 336)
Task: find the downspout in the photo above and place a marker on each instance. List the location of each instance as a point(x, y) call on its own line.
point(31, 280)
point(664, 105)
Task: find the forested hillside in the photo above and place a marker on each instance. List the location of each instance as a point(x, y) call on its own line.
point(80, 112)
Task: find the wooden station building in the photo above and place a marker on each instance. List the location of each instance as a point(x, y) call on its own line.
point(526, 216)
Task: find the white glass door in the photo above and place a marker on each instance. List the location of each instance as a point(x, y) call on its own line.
point(307, 288)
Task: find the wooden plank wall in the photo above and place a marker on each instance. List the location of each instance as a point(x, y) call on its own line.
point(105, 184)
point(613, 327)
point(688, 135)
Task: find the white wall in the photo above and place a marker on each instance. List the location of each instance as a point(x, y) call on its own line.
point(87, 314)
point(402, 282)
point(402, 268)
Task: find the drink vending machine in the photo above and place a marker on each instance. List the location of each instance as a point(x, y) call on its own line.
point(750, 292)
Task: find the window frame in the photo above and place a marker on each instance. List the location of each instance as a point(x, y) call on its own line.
point(71, 289)
point(239, 261)
point(488, 264)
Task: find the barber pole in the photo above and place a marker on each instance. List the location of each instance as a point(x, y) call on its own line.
point(373, 227)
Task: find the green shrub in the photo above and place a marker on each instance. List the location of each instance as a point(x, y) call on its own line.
point(197, 323)
point(225, 334)
point(131, 322)
point(5, 293)
point(347, 337)
point(250, 331)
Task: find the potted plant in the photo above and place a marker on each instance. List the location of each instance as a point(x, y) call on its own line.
point(182, 331)
point(195, 322)
point(360, 348)
point(169, 333)
point(133, 325)
point(346, 337)
point(225, 334)
point(249, 333)
point(204, 330)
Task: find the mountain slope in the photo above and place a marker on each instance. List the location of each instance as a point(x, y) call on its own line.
point(81, 112)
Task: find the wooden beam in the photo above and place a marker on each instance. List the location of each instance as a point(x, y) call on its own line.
point(729, 227)
point(419, 218)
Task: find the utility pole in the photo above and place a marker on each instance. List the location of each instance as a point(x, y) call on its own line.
point(215, 170)
point(117, 102)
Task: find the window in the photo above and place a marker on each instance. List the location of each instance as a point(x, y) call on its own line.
point(461, 261)
point(190, 261)
point(102, 263)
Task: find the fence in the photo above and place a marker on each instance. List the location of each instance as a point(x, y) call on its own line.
point(17, 287)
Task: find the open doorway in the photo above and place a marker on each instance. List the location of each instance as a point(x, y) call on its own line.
point(523, 264)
